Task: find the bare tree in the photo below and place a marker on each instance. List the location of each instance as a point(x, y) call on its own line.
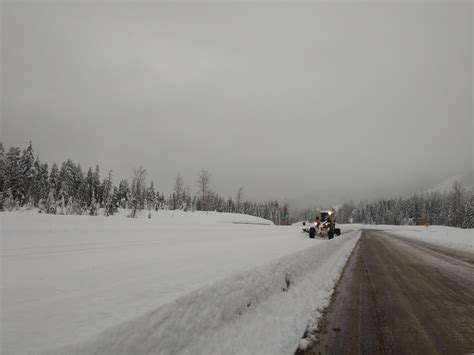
point(203, 182)
point(138, 188)
point(240, 195)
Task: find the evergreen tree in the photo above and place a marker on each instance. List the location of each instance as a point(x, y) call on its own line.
point(9, 201)
point(82, 199)
point(2, 175)
point(89, 185)
point(41, 206)
point(13, 177)
point(70, 206)
point(456, 208)
point(40, 186)
point(469, 213)
point(115, 199)
point(96, 186)
point(151, 196)
point(123, 193)
point(187, 199)
point(53, 182)
point(230, 206)
point(72, 177)
point(64, 181)
point(285, 213)
point(93, 207)
point(108, 195)
point(50, 205)
point(62, 198)
point(27, 174)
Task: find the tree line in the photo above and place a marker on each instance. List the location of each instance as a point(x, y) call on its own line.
point(452, 208)
point(66, 189)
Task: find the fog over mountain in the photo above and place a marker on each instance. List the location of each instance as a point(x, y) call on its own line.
point(316, 103)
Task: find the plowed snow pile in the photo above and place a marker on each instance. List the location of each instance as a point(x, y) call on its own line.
point(178, 282)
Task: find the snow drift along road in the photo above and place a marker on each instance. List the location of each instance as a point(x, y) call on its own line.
point(66, 279)
point(261, 311)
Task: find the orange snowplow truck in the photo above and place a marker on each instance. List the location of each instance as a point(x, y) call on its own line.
point(324, 225)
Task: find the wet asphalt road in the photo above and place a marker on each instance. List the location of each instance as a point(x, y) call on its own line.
point(397, 296)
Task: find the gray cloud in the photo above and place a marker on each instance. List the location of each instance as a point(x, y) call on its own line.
point(331, 101)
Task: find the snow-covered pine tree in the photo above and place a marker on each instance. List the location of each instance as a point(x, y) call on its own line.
point(53, 181)
point(13, 176)
point(36, 188)
point(51, 203)
point(115, 199)
point(72, 177)
point(2, 175)
point(157, 205)
point(230, 206)
point(41, 206)
point(108, 195)
point(63, 181)
point(93, 206)
point(9, 201)
point(123, 193)
point(69, 206)
point(62, 199)
point(29, 203)
point(80, 197)
point(151, 196)
point(187, 199)
point(89, 186)
point(27, 174)
point(96, 186)
point(285, 212)
point(62, 204)
point(80, 202)
point(443, 216)
point(468, 222)
point(40, 186)
point(456, 208)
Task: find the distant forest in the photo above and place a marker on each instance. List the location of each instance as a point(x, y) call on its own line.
point(26, 181)
point(67, 189)
point(453, 208)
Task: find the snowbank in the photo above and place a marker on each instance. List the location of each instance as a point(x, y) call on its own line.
point(456, 238)
point(66, 279)
point(262, 311)
point(301, 224)
point(199, 217)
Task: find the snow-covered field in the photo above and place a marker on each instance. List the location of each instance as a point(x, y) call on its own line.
point(456, 238)
point(186, 282)
point(179, 282)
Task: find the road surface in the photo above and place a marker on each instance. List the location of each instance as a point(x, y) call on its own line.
point(398, 296)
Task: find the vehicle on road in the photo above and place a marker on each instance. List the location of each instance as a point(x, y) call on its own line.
point(324, 225)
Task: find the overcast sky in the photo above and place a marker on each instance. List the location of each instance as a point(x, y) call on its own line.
point(316, 103)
